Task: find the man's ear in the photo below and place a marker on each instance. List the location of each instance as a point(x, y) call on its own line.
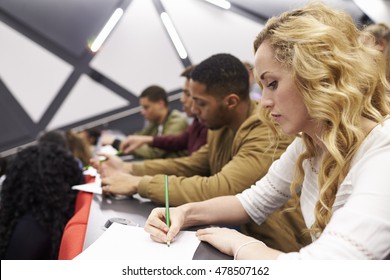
point(161, 103)
point(231, 101)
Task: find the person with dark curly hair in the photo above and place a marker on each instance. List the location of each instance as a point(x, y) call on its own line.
point(37, 201)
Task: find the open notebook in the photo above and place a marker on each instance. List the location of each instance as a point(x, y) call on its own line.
point(124, 242)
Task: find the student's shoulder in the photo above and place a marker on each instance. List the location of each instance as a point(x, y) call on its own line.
point(176, 113)
point(379, 137)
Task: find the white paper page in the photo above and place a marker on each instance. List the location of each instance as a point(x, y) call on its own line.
point(91, 187)
point(108, 149)
point(95, 187)
point(122, 242)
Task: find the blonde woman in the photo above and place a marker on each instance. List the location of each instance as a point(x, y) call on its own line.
point(306, 62)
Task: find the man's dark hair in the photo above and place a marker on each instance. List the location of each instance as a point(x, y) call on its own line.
point(223, 74)
point(155, 94)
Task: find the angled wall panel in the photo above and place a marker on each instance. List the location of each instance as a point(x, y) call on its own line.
point(266, 8)
point(58, 20)
point(87, 99)
point(14, 122)
point(139, 53)
point(32, 74)
point(377, 10)
point(207, 30)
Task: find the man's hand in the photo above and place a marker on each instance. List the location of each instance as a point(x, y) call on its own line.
point(120, 183)
point(132, 142)
point(106, 164)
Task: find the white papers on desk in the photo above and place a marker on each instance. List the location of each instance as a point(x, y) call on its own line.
point(123, 242)
point(95, 187)
point(107, 149)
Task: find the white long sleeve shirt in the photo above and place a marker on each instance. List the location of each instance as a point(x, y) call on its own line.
point(360, 225)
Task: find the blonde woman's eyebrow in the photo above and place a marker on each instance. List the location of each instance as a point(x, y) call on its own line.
point(262, 75)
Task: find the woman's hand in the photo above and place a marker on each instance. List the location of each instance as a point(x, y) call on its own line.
point(224, 239)
point(156, 224)
point(233, 243)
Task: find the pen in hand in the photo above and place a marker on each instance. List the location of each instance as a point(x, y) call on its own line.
point(167, 218)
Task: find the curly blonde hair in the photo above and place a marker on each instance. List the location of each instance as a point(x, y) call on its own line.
point(338, 79)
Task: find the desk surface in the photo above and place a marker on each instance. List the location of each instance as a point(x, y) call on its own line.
point(104, 208)
point(137, 210)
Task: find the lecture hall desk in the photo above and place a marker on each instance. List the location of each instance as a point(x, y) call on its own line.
point(91, 214)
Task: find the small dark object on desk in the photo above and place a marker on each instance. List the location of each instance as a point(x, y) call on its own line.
point(207, 252)
point(119, 221)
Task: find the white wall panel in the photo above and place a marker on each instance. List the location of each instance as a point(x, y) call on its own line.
point(267, 8)
point(139, 53)
point(87, 99)
point(207, 30)
point(31, 73)
point(377, 10)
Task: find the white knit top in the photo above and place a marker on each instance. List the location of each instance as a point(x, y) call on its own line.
point(360, 225)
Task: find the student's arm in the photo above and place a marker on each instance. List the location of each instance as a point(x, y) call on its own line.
point(116, 177)
point(191, 140)
point(175, 125)
point(132, 142)
point(196, 164)
point(220, 210)
point(249, 164)
point(233, 243)
point(171, 143)
point(112, 164)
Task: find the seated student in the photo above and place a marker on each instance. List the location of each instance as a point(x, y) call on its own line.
point(68, 140)
point(91, 137)
point(381, 33)
point(37, 201)
point(191, 140)
point(78, 146)
point(238, 151)
point(161, 121)
point(306, 61)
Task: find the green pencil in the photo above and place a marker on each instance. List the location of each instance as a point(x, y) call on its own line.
point(167, 218)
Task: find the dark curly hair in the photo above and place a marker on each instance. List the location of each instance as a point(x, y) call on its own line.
point(38, 182)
